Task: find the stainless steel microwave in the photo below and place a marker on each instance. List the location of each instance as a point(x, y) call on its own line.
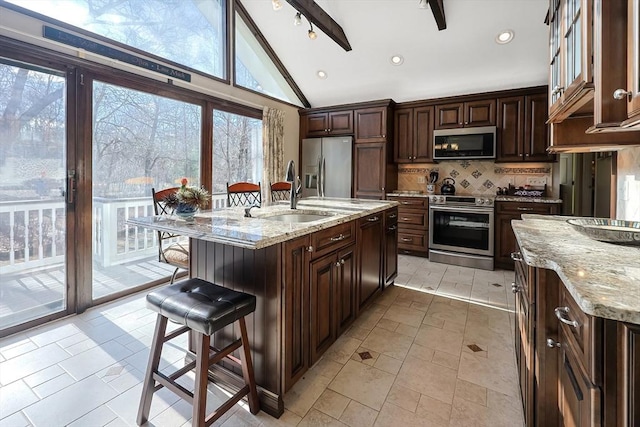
point(465, 143)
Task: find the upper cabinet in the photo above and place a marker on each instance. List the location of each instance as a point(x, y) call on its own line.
point(633, 62)
point(413, 133)
point(327, 123)
point(464, 114)
point(522, 131)
point(371, 124)
point(571, 76)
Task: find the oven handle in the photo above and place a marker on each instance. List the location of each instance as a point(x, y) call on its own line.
point(461, 209)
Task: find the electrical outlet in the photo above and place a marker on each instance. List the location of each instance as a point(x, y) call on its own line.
point(537, 181)
point(421, 180)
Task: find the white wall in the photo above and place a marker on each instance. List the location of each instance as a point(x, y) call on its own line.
point(28, 29)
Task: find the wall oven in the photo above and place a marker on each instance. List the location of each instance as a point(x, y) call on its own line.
point(461, 231)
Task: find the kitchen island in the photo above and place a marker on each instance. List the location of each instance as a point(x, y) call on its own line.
point(311, 279)
point(577, 334)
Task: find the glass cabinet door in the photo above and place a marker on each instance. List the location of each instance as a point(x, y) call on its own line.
point(554, 44)
point(633, 59)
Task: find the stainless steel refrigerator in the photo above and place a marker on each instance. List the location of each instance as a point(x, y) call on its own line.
point(326, 167)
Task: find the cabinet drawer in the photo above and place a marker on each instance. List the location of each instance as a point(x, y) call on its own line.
point(522, 283)
point(325, 241)
point(582, 333)
point(413, 218)
point(525, 207)
point(411, 202)
point(411, 240)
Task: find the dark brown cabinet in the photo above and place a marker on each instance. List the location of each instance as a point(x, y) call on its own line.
point(524, 340)
point(296, 299)
point(504, 238)
point(522, 130)
point(413, 134)
point(413, 225)
point(370, 236)
point(372, 124)
point(372, 177)
point(327, 123)
point(463, 114)
point(332, 299)
point(391, 246)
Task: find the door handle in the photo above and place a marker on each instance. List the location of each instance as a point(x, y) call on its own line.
point(71, 186)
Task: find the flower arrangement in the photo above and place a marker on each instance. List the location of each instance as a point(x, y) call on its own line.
point(190, 197)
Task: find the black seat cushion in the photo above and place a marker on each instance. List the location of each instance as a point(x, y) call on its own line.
point(201, 305)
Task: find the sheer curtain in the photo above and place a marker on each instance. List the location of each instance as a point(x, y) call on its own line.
point(273, 149)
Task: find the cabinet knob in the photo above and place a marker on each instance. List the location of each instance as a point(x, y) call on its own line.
point(551, 343)
point(466, 123)
point(310, 249)
point(526, 155)
point(515, 288)
point(329, 130)
point(516, 256)
point(342, 261)
point(338, 264)
point(621, 94)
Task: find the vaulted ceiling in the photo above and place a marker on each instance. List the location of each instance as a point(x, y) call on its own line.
point(463, 58)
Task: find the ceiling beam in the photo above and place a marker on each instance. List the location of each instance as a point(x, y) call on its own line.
point(321, 19)
point(437, 8)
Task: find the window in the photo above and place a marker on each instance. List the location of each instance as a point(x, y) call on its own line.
point(255, 70)
point(237, 150)
point(188, 32)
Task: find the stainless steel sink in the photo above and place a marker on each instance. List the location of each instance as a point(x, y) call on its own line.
point(297, 217)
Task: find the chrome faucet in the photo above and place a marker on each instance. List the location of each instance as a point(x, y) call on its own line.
point(291, 177)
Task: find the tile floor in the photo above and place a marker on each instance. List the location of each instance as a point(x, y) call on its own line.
point(434, 350)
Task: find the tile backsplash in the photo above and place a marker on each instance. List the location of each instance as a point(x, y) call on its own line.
point(477, 177)
point(628, 200)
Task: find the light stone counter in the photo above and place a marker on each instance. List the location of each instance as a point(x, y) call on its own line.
point(603, 278)
point(229, 226)
point(527, 199)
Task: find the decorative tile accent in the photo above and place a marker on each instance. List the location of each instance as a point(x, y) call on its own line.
point(365, 355)
point(488, 184)
point(475, 348)
point(497, 285)
point(465, 183)
point(476, 174)
point(114, 370)
point(521, 171)
point(415, 170)
point(454, 173)
point(465, 164)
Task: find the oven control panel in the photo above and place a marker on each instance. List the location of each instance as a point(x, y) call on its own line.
point(462, 200)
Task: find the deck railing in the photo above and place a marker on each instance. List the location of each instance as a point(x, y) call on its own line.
point(33, 232)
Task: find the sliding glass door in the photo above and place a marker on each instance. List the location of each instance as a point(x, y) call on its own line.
point(140, 141)
point(33, 179)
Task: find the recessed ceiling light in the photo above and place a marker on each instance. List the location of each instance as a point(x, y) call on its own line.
point(504, 37)
point(322, 74)
point(397, 60)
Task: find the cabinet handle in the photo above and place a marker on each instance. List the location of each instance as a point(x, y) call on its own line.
point(392, 216)
point(310, 249)
point(520, 208)
point(515, 288)
point(516, 256)
point(373, 219)
point(526, 155)
point(621, 94)
point(384, 136)
point(562, 313)
point(393, 228)
point(404, 218)
point(338, 264)
point(329, 130)
point(551, 343)
point(406, 239)
point(342, 261)
point(405, 203)
point(338, 238)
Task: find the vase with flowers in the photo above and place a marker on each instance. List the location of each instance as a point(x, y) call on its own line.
point(187, 200)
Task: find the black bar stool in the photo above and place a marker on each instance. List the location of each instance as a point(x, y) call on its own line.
point(203, 308)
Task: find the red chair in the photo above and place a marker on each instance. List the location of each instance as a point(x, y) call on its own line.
point(244, 194)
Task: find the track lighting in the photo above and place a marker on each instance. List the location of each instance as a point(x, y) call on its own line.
point(312, 34)
point(277, 4)
point(423, 4)
point(298, 19)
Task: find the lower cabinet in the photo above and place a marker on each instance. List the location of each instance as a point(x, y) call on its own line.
point(326, 277)
point(332, 299)
point(370, 236)
point(504, 239)
point(413, 225)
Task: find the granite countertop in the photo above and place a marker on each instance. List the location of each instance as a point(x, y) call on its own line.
point(229, 225)
point(408, 193)
point(603, 278)
point(527, 199)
